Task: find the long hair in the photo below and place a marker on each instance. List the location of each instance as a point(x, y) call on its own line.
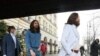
point(32, 28)
point(72, 19)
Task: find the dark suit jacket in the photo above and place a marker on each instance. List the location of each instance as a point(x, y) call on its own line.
point(94, 48)
point(9, 46)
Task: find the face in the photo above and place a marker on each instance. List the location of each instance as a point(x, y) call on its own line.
point(97, 41)
point(13, 30)
point(36, 24)
point(78, 21)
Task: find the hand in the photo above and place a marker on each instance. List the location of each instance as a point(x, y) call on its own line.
point(32, 53)
point(38, 49)
point(75, 51)
point(4, 55)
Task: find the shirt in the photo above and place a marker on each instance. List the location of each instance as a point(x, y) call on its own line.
point(14, 38)
point(32, 39)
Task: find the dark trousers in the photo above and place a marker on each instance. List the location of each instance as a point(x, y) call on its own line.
point(94, 55)
point(0, 53)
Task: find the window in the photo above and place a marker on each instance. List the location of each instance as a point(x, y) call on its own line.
point(43, 24)
point(49, 29)
point(39, 19)
point(46, 26)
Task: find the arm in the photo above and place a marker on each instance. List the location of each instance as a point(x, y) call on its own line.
point(39, 47)
point(97, 45)
point(28, 44)
point(4, 45)
point(66, 41)
point(27, 40)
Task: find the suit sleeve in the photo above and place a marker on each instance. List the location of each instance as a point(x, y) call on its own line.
point(97, 45)
point(66, 41)
point(4, 45)
point(27, 40)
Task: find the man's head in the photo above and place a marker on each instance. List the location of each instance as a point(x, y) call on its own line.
point(11, 29)
point(97, 40)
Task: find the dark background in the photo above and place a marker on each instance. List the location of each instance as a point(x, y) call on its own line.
point(21, 8)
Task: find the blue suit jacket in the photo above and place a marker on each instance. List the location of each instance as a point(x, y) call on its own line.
point(9, 46)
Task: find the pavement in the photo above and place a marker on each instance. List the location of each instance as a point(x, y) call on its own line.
point(86, 54)
point(57, 55)
point(51, 54)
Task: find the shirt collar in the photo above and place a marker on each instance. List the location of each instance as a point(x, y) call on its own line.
point(12, 34)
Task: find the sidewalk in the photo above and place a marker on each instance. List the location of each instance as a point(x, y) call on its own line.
point(87, 54)
point(51, 54)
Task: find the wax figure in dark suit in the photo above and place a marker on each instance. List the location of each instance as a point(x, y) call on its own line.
point(11, 46)
point(94, 48)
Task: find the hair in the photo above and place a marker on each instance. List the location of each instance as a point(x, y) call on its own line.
point(72, 19)
point(10, 27)
point(32, 28)
point(97, 40)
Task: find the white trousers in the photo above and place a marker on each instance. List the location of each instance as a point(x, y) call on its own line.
point(75, 54)
point(63, 53)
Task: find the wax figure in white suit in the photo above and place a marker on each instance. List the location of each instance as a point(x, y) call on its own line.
point(70, 37)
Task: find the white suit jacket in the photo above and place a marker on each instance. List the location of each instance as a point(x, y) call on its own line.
point(69, 40)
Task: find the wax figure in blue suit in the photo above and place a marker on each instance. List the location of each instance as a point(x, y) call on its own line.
point(11, 46)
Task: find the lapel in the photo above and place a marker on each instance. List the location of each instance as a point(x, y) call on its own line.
point(11, 39)
point(16, 42)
